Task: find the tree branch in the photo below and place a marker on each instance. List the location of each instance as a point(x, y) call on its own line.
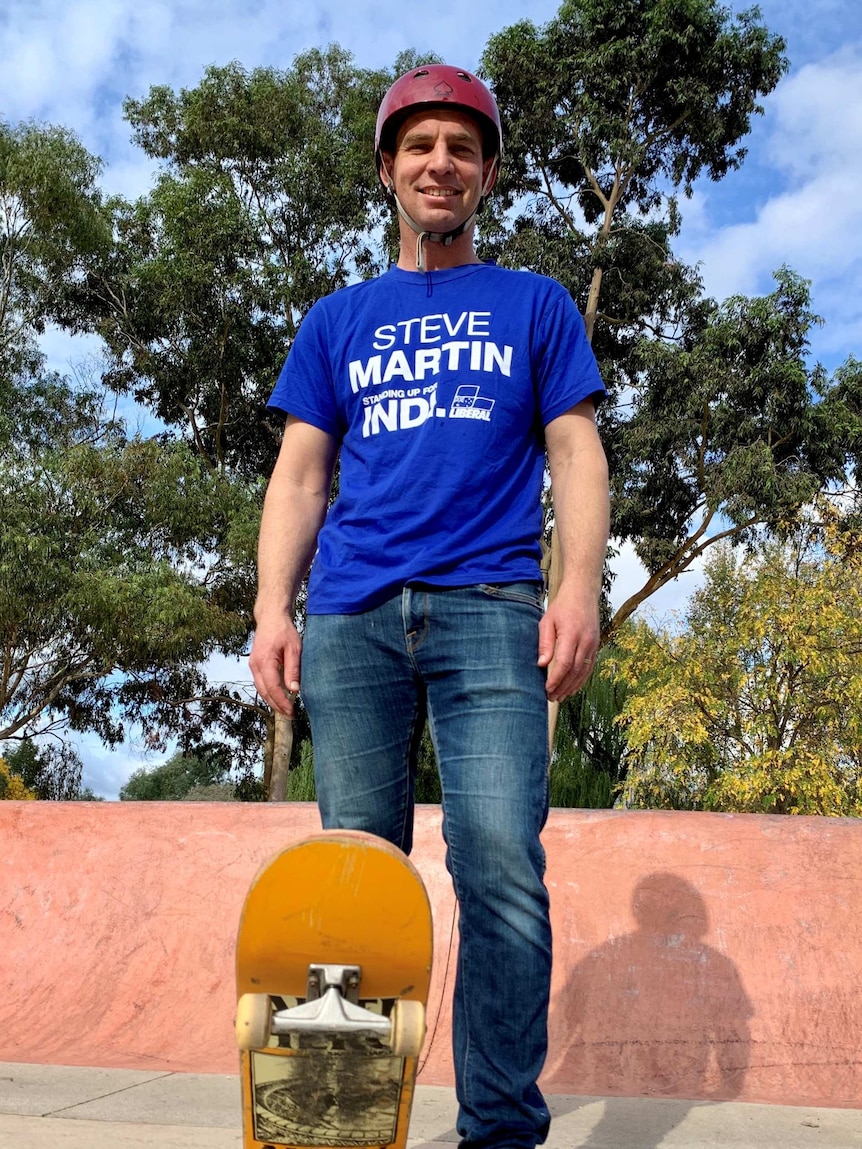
point(679, 562)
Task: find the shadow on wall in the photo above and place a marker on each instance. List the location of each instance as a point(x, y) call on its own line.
point(657, 1010)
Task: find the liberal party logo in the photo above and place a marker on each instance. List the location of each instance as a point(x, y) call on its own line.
point(469, 404)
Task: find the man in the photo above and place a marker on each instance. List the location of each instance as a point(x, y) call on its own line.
point(441, 384)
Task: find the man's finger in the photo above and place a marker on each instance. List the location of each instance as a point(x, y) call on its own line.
point(547, 639)
point(270, 684)
point(560, 669)
point(577, 677)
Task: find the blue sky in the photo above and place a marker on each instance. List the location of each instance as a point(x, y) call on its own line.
point(795, 201)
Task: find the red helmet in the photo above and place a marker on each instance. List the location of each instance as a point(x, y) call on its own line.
point(438, 85)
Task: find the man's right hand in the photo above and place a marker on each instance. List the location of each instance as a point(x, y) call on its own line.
point(274, 661)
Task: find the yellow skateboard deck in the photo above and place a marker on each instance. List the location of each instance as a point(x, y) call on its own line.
point(333, 965)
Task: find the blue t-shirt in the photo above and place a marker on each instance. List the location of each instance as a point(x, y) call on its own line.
point(437, 386)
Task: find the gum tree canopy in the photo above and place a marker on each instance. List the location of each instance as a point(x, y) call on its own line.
point(118, 555)
point(716, 422)
point(264, 202)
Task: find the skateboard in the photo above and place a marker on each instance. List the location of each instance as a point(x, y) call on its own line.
point(333, 965)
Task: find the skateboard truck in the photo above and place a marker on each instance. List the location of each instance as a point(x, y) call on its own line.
point(333, 991)
point(345, 978)
point(331, 1008)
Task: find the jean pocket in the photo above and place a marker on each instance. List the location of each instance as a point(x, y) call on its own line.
point(529, 593)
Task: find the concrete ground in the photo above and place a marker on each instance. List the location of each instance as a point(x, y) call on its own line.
point(51, 1107)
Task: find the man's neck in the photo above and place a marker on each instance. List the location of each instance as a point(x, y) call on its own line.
point(437, 256)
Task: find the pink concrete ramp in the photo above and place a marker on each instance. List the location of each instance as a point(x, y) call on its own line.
point(119, 925)
point(696, 955)
point(707, 956)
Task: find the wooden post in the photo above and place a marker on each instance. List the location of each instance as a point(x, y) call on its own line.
point(281, 749)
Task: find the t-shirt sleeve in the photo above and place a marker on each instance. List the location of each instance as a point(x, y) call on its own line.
point(566, 369)
point(305, 386)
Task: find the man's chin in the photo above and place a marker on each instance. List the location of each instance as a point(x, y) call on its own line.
point(443, 218)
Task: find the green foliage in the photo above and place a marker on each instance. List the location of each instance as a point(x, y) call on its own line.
point(51, 222)
point(608, 109)
point(52, 773)
point(728, 419)
point(212, 792)
point(300, 780)
point(426, 786)
point(182, 776)
point(755, 704)
point(267, 200)
point(52, 226)
point(613, 95)
point(117, 570)
point(605, 109)
point(249, 785)
point(12, 788)
point(588, 763)
point(123, 562)
point(576, 785)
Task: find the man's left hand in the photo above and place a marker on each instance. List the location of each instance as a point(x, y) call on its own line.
point(569, 637)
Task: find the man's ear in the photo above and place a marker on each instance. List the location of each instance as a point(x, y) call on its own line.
point(386, 162)
point(490, 171)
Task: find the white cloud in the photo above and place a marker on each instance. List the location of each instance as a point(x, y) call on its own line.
point(808, 213)
point(811, 28)
point(818, 126)
point(106, 771)
point(816, 229)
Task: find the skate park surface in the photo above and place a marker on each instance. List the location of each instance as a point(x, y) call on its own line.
point(707, 987)
point(46, 1107)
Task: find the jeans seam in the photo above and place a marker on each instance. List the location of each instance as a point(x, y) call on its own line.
point(502, 594)
point(410, 648)
point(463, 1076)
point(409, 805)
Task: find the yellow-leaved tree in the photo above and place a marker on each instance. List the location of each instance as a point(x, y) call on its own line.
point(11, 787)
point(753, 703)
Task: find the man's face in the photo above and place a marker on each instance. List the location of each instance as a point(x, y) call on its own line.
point(437, 169)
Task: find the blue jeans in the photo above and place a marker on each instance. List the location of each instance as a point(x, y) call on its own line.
point(467, 657)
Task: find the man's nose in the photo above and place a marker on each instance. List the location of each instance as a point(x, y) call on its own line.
point(440, 159)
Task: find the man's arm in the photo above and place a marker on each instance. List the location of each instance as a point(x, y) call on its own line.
point(293, 513)
point(570, 631)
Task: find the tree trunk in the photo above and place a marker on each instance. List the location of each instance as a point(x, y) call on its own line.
point(593, 304)
point(282, 747)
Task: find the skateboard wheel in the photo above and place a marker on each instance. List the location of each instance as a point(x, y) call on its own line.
point(253, 1020)
point(408, 1028)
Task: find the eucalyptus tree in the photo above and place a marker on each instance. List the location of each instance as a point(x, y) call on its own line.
point(264, 201)
point(118, 563)
point(608, 109)
point(729, 430)
point(53, 224)
point(716, 413)
point(115, 557)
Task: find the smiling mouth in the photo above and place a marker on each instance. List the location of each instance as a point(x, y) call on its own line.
point(440, 193)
